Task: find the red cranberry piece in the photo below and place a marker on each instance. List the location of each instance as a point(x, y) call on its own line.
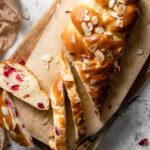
point(57, 131)
point(8, 70)
point(144, 142)
point(7, 103)
point(15, 87)
point(16, 114)
point(41, 105)
point(21, 62)
point(19, 78)
point(26, 96)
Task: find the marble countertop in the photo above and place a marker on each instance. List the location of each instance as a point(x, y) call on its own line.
point(132, 126)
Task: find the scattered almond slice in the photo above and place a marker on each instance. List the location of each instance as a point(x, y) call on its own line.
point(47, 58)
point(90, 25)
point(114, 15)
point(25, 15)
point(121, 9)
point(93, 48)
point(86, 18)
point(111, 3)
point(68, 77)
point(99, 55)
point(119, 23)
point(99, 30)
point(84, 66)
point(86, 29)
point(140, 52)
point(121, 1)
point(94, 20)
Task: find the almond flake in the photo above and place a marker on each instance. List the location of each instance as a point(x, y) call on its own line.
point(85, 28)
point(94, 20)
point(68, 77)
point(4, 111)
point(86, 61)
point(47, 58)
point(140, 52)
point(86, 18)
point(99, 55)
point(92, 82)
point(119, 23)
point(121, 1)
point(68, 11)
point(90, 25)
point(25, 15)
point(94, 88)
point(121, 10)
point(115, 8)
point(99, 30)
point(111, 3)
point(93, 48)
point(109, 34)
point(114, 15)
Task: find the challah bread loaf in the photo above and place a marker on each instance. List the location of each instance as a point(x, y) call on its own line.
point(95, 39)
point(19, 81)
point(12, 123)
point(75, 101)
point(59, 115)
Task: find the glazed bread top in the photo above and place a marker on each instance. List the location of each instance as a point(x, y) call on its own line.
point(95, 39)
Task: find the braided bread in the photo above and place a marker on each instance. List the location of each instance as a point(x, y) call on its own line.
point(76, 104)
point(10, 120)
point(19, 81)
point(59, 115)
point(95, 39)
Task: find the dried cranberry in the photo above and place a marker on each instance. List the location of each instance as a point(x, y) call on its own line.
point(16, 114)
point(8, 70)
point(26, 96)
point(144, 142)
point(19, 78)
point(41, 105)
point(15, 87)
point(7, 103)
point(57, 131)
point(21, 62)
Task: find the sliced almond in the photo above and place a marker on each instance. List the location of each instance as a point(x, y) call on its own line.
point(111, 3)
point(121, 1)
point(114, 15)
point(86, 18)
point(68, 11)
point(121, 9)
point(68, 77)
point(92, 82)
point(115, 8)
point(140, 52)
point(99, 55)
point(90, 25)
point(119, 23)
point(25, 15)
point(94, 20)
point(86, 29)
point(109, 34)
point(84, 66)
point(86, 61)
point(47, 58)
point(93, 48)
point(99, 30)
point(87, 76)
point(5, 111)
point(94, 88)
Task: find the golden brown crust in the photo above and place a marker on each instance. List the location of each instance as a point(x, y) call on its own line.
point(59, 115)
point(75, 101)
point(95, 39)
point(11, 122)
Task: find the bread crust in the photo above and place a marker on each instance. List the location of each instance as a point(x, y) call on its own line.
point(74, 98)
point(12, 123)
point(95, 40)
point(59, 115)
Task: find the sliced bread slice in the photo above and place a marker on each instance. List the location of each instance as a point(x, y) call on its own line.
point(59, 115)
point(90, 112)
point(75, 101)
point(12, 123)
point(21, 82)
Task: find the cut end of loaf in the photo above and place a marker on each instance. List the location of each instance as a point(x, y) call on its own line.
point(21, 82)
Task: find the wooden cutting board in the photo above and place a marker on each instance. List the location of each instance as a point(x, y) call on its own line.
point(36, 44)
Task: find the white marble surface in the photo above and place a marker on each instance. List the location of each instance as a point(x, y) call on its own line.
point(130, 127)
